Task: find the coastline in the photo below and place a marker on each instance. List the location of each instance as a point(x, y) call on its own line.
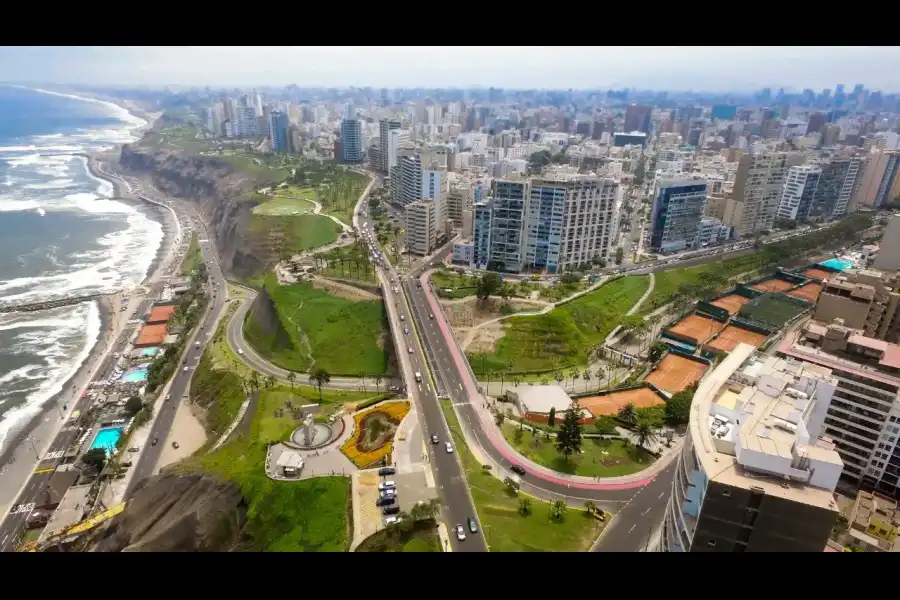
point(17, 458)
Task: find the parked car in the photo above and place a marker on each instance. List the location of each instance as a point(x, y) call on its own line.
point(387, 501)
point(386, 471)
point(386, 485)
point(393, 509)
point(392, 520)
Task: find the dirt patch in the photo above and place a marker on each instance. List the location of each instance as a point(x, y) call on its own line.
point(343, 290)
point(486, 338)
point(466, 313)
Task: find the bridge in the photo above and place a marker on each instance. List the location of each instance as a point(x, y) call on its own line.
point(55, 303)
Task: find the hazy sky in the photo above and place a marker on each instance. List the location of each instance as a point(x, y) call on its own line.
point(658, 67)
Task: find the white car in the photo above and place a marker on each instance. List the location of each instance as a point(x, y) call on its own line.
point(387, 485)
point(392, 520)
point(449, 448)
point(460, 533)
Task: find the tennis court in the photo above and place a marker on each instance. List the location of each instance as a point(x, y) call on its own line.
point(732, 303)
point(697, 328)
point(773, 285)
point(675, 373)
point(731, 336)
point(612, 403)
point(819, 274)
point(773, 310)
point(809, 292)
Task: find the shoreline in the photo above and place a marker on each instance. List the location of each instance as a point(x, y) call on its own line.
point(46, 424)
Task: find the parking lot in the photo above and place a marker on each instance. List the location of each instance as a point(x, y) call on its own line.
point(368, 518)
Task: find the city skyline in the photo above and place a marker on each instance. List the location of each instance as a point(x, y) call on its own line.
point(682, 68)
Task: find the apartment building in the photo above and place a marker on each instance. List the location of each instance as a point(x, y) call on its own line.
point(678, 207)
point(351, 139)
point(799, 192)
point(756, 195)
point(637, 117)
point(421, 227)
point(865, 299)
point(753, 475)
point(863, 420)
point(888, 257)
point(879, 180)
point(386, 142)
point(837, 185)
point(279, 129)
point(500, 227)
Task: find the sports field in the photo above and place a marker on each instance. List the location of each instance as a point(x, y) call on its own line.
point(675, 373)
point(732, 303)
point(773, 285)
point(611, 404)
point(731, 336)
point(819, 274)
point(697, 328)
point(773, 310)
point(809, 292)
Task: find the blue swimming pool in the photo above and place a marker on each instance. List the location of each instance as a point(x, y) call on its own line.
point(838, 264)
point(107, 438)
point(135, 374)
point(149, 351)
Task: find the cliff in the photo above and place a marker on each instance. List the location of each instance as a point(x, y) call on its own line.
point(219, 192)
point(175, 513)
point(264, 329)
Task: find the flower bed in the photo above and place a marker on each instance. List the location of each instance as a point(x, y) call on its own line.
point(373, 435)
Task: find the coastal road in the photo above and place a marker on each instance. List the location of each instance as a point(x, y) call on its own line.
point(180, 383)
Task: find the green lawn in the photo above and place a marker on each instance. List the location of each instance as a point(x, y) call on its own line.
point(312, 515)
point(504, 527)
point(560, 291)
point(599, 458)
point(192, 257)
point(342, 336)
point(461, 285)
point(561, 338)
point(248, 163)
point(290, 235)
point(423, 538)
point(284, 206)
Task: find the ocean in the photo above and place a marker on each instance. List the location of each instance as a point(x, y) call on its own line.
point(60, 235)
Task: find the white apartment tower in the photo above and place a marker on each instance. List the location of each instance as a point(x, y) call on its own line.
point(385, 126)
point(756, 195)
point(421, 227)
point(799, 192)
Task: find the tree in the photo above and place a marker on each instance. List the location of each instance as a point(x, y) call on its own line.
point(568, 437)
point(488, 285)
point(133, 405)
point(586, 377)
point(678, 407)
point(291, 377)
point(573, 374)
point(601, 373)
point(517, 435)
point(271, 381)
point(551, 417)
point(657, 350)
point(559, 377)
point(499, 418)
point(525, 506)
point(558, 509)
point(378, 379)
point(95, 458)
point(422, 511)
point(589, 506)
point(620, 255)
point(319, 377)
point(645, 432)
point(605, 425)
point(628, 414)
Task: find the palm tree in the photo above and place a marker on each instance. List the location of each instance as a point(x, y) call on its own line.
point(589, 506)
point(362, 378)
point(573, 373)
point(654, 320)
point(378, 381)
point(270, 381)
point(628, 413)
point(516, 381)
point(559, 509)
point(525, 505)
point(644, 433)
point(544, 380)
point(601, 373)
point(559, 377)
point(319, 377)
point(291, 377)
point(586, 376)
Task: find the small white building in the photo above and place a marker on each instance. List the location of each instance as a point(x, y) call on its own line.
point(464, 252)
point(289, 464)
point(539, 399)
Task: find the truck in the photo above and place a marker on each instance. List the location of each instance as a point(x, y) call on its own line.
point(418, 377)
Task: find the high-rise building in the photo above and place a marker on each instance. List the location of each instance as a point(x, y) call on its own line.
point(725, 112)
point(865, 299)
point(839, 180)
point(879, 179)
point(500, 227)
point(816, 122)
point(385, 126)
point(756, 195)
point(569, 220)
point(637, 118)
point(279, 126)
point(397, 138)
point(799, 192)
point(888, 258)
point(421, 227)
point(678, 207)
point(863, 419)
point(351, 138)
point(753, 475)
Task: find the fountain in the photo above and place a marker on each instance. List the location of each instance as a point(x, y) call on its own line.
point(311, 434)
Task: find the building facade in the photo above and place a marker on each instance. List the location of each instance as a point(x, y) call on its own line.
point(279, 129)
point(756, 194)
point(678, 207)
point(385, 141)
point(351, 140)
point(799, 192)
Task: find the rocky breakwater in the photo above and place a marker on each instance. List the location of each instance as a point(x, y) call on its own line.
point(173, 512)
point(219, 192)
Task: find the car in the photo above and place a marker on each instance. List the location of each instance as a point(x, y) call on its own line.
point(240, 352)
point(393, 509)
point(392, 520)
point(386, 471)
point(406, 330)
point(185, 369)
point(134, 449)
point(473, 526)
point(449, 448)
point(434, 438)
point(430, 316)
point(460, 533)
point(419, 284)
point(517, 469)
point(168, 396)
point(388, 493)
point(386, 485)
point(402, 317)
point(155, 440)
point(175, 445)
point(385, 501)
point(410, 350)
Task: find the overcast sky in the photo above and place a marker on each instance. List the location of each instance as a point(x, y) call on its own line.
point(708, 68)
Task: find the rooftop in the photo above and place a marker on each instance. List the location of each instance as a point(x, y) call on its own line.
point(161, 314)
point(152, 335)
point(541, 398)
point(749, 426)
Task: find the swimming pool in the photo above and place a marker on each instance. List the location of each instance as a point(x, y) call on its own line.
point(107, 438)
point(135, 374)
point(838, 264)
point(149, 351)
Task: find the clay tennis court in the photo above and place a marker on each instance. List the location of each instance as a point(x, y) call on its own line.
point(732, 303)
point(152, 335)
point(675, 373)
point(773, 285)
point(611, 404)
point(817, 274)
point(697, 328)
point(731, 336)
point(809, 292)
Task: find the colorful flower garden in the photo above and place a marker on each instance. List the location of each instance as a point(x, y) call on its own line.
point(373, 435)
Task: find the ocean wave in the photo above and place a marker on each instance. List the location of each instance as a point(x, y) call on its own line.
point(36, 148)
point(61, 340)
point(56, 184)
